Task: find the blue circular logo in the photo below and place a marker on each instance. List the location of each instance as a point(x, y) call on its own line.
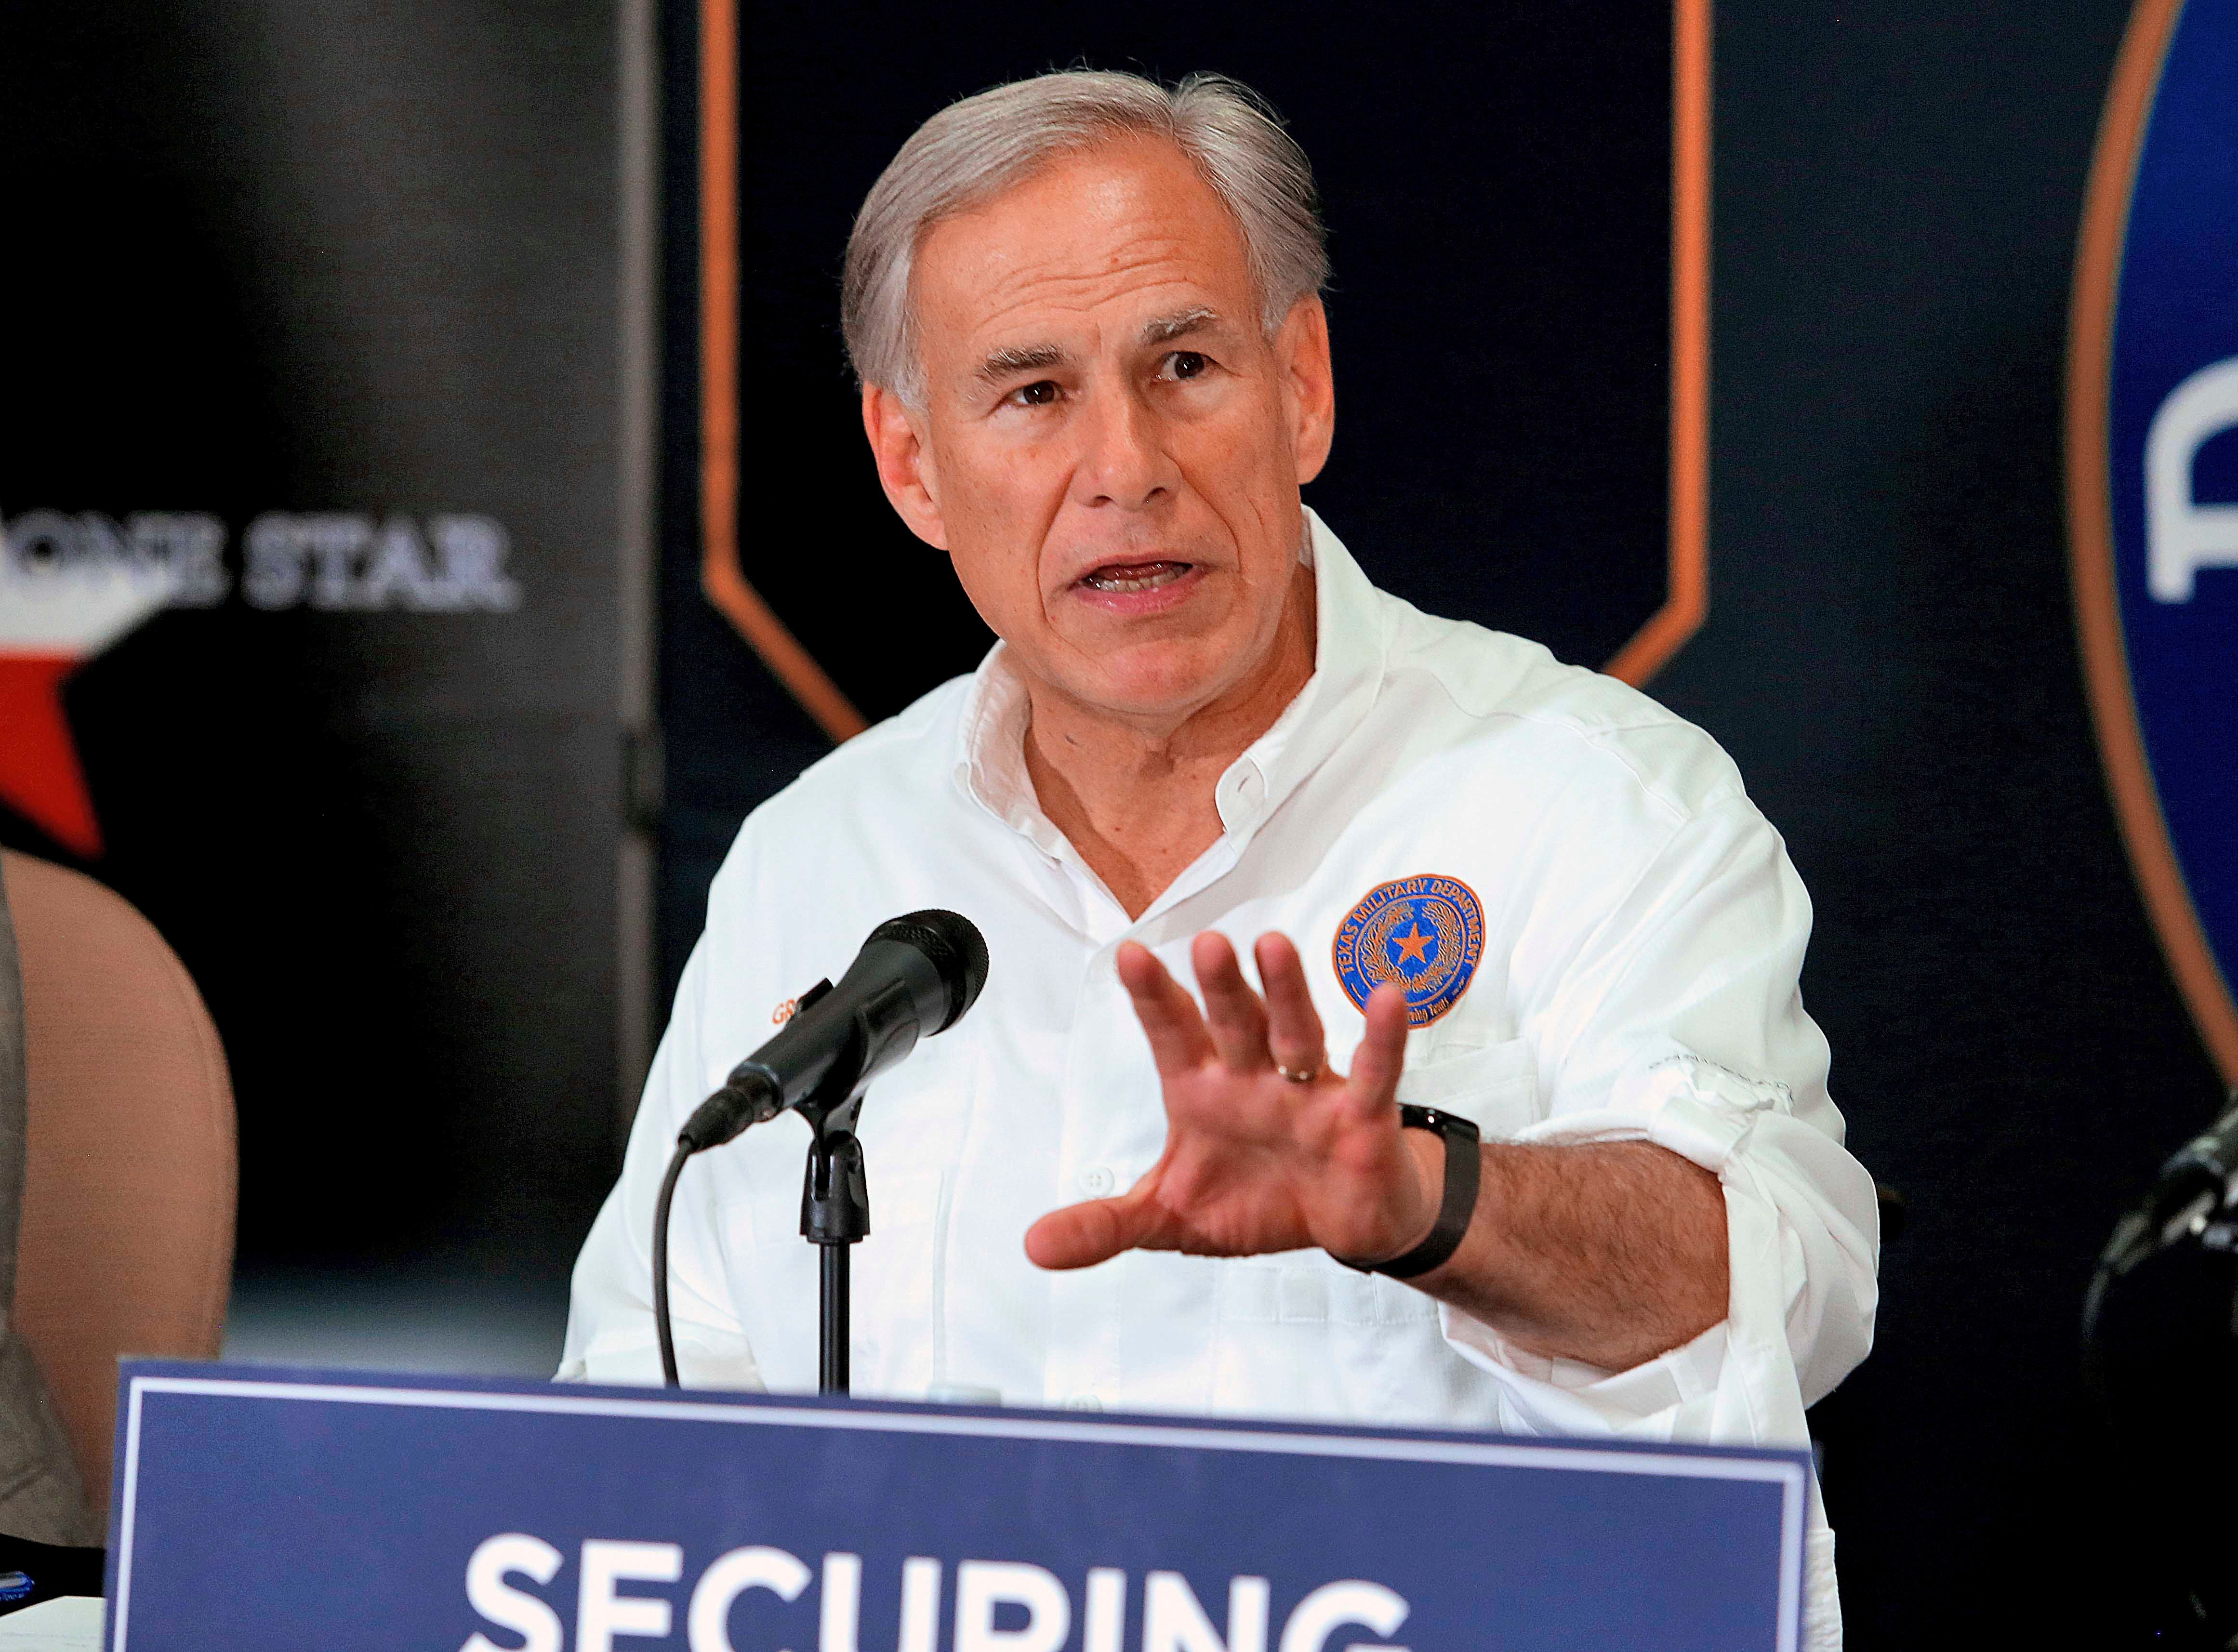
point(2153, 484)
point(1425, 933)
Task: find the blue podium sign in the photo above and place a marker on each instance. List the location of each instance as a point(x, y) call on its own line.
point(288, 1509)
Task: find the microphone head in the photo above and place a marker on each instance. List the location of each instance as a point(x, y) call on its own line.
point(955, 949)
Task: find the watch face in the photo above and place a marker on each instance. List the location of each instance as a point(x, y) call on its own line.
point(1448, 1125)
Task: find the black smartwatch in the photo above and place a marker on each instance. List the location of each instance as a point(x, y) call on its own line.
point(1464, 1165)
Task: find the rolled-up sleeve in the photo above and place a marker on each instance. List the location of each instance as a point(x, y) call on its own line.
point(1678, 1021)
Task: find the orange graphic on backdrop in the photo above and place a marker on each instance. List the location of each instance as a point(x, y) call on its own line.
point(1686, 600)
point(2090, 532)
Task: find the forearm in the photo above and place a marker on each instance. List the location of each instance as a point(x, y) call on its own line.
point(1607, 1253)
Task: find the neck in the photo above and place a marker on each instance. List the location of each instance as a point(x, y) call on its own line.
point(1137, 799)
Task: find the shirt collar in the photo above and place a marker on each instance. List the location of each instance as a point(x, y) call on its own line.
point(990, 765)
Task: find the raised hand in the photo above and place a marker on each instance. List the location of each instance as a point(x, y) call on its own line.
point(1267, 1150)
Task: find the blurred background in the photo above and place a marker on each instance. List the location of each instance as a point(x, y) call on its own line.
point(355, 368)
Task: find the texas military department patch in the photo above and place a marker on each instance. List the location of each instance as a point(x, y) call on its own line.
point(1425, 933)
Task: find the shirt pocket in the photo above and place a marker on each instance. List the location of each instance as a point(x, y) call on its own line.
point(1302, 1335)
point(1494, 1086)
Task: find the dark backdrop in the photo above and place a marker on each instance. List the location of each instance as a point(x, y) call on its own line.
point(1888, 654)
point(1503, 373)
point(320, 256)
point(1891, 659)
point(337, 256)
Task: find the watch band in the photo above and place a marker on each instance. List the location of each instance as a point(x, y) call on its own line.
point(1464, 1166)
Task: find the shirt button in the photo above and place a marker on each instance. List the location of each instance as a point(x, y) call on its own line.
point(1097, 1182)
point(1084, 1403)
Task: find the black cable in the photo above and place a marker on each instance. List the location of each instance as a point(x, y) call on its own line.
point(665, 1332)
point(2094, 1347)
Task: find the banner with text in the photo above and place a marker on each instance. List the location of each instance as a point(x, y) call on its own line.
point(291, 1508)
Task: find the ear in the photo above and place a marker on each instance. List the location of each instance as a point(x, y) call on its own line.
point(906, 468)
point(1301, 349)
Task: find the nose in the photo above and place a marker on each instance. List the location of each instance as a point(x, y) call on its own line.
point(1123, 460)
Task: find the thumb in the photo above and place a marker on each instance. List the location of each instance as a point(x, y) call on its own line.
point(1080, 1236)
point(1382, 1056)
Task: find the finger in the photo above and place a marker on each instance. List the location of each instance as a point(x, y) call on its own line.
point(1294, 1029)
point(1232, 1012)
point(1080, 1236)
point(1178, 1043)
point(1382, 1053)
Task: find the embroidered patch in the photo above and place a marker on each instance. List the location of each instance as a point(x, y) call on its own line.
point(1425, 933)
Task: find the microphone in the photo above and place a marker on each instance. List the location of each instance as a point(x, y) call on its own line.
point(915, 976)
point(2198, 1180)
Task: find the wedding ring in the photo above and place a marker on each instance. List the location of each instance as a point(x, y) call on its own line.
point(1295, 1075)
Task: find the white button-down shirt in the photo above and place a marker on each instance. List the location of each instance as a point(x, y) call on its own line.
point(1642, 935)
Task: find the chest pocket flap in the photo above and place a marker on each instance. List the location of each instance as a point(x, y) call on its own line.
point(1495, 1086)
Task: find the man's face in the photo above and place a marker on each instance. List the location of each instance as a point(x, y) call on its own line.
point(1111, 449)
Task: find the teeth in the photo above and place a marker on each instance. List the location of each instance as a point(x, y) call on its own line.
point(1162, 573)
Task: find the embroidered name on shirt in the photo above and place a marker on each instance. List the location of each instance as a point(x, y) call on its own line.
point(1425, 932)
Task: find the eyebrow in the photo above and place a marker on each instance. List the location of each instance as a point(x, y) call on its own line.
point(1180, 324)
point(1036, 358)
point(1028, 358)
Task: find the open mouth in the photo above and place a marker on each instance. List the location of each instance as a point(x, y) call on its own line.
point(1125, 578)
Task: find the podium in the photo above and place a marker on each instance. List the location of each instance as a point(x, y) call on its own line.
point(267, 1508)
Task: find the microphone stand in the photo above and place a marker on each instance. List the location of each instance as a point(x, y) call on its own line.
point(835, 1216)
point(916, 974)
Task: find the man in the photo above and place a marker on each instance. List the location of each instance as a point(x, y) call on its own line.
point(1095, 369)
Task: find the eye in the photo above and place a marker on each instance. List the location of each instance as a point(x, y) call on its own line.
point(1186, 364)
point(1041, 393)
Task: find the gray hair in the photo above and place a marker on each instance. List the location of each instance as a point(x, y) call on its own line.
point(974, 150)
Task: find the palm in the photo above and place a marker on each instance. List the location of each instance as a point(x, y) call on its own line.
point(1255, 1162)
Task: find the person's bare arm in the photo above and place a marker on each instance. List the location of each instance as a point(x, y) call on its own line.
point(1609, 1253)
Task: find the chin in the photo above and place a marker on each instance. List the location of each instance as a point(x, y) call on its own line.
point(1163, 680)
